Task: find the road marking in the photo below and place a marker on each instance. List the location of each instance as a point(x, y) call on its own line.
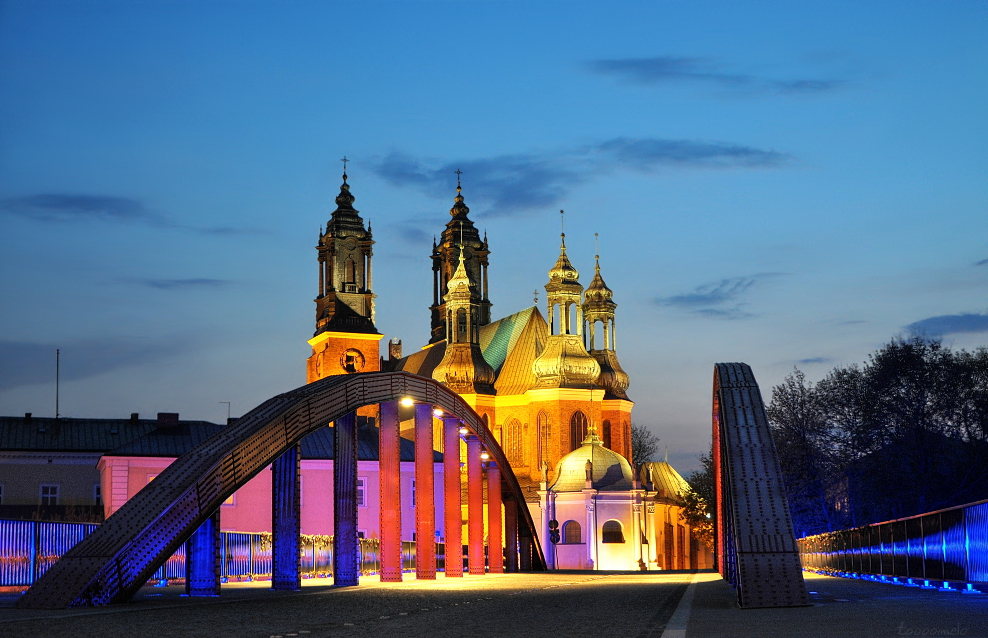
point(676, 627)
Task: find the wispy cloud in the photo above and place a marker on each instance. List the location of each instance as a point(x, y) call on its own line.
point(676, 69)
point(62, 208)
point(67, 208)
point(814, 360)
point(27, 363)
point(949, 324)
point(983, 262)
point(174, 284)
point(510, 183)
point(722, 299)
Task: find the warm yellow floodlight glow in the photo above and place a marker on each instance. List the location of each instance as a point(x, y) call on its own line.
point(407, 402)
point(437, 412)
point(485, 455)
point(463, 430)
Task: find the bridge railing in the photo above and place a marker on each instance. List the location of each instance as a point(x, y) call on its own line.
point(29, 548)
point(946, 548)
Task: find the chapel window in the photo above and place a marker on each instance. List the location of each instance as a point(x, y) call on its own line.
point(572, 534)
point(612, 532)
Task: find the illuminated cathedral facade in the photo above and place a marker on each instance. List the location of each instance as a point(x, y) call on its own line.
point(549, 387)
point(541, 385)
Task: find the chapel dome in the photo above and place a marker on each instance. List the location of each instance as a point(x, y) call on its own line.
point(664, 478)
point(610, 472)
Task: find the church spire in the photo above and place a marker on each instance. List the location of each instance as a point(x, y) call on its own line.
point(460, 241)
point(564, 362)
point(345, 302)
point(599, 307)
point(463, 368)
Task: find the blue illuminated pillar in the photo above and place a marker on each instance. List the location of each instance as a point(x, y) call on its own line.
point(202, 559)
point(286, 523)
point(346, 567)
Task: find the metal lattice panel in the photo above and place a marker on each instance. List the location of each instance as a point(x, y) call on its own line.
point(117, 559)
point(757, 550)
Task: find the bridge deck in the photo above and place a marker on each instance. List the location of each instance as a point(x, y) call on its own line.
point(532, 605)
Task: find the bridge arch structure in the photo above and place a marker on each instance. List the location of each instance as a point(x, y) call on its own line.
point(756, 548)
point(182, 503)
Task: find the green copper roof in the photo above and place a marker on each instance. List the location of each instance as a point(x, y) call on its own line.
point(498, 338)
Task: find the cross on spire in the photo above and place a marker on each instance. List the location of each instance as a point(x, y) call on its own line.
point(458, 173)
point(344, 160)
point(562, 222)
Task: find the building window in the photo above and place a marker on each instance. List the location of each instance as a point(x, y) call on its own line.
point(97, 494)
point(607, 434)
point(543, 437)
point(513, 443)
point(572, 534)
point(413, 493)
point(612, 533)
point(361, 491)
point(232, 500)
point(578, 429)
point(49, 495)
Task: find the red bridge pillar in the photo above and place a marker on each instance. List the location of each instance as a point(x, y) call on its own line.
point(475, 507)
point(452, 514)
point(425, 494)
point(390, 489)
point(511, 534)
point(495, 552)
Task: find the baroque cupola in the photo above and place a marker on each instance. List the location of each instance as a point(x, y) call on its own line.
point(564, 362)
point(460, 242)
point(345, 341)
point(345, 302)
point(598, 308)
point(463, 368)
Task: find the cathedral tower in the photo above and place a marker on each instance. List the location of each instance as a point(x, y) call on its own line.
point(598, 307)
point(565, 362)
point(463, 368)
point(473, 253)
point(345, 340)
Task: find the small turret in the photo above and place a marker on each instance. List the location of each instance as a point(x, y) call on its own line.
point(599, 307)
point(463, 368)
point(564, 362)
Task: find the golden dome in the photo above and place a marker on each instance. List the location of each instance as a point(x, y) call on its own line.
point(598, 290)
point(464, 370)
point(609, 471)
point(565, 363)
point(563, 271)
point(612, 376)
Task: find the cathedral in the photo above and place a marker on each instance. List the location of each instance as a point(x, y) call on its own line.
point(549, 386)
point(542, 385)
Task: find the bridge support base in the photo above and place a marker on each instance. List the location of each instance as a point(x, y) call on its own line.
point(202, 559)
point(346, 546)
point(286, 524)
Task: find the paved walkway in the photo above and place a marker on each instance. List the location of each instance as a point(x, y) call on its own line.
point(545, 605)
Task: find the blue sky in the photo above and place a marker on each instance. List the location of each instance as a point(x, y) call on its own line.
point(784, 184)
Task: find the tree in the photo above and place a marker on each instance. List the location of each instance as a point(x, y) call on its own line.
point(801, 437)
point(699, 501)
point(644, 445)
point(906, 432)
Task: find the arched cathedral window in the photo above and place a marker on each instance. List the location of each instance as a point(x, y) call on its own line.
point(578, 428)
point(606, 427)
point(513, 448)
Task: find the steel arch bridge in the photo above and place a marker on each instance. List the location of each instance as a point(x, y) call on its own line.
point(117, 559)
point(756, 548)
